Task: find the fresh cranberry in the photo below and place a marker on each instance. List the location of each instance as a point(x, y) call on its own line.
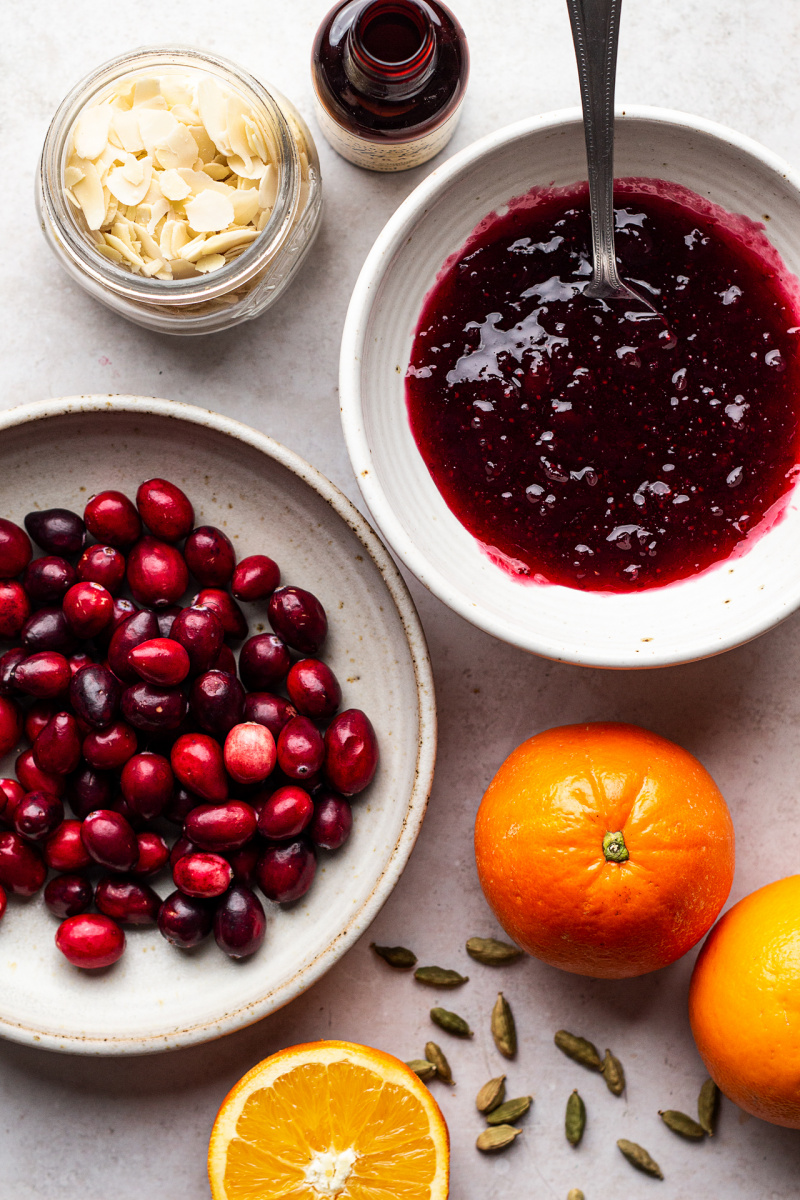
point(332, 821)
point(11, 725)
point(255, 578)
point(110, 840)
point(44, 675)
point(221, 827)
point(314, 689)
point(147, 782)
point(200, 633)
point(225, 661)
point(264, 661)
point(181, 847)
point(165, 509)
point(132, 631)
point(233, 619)
point(217, 702)
point(94, 694)
point(286, 813)
point(89, 608)
point(103, 565)
point(15, 608)
point(351, 752)
point(68, 895)
point(57, 749)
point(153, 709)
point(301, 751)
point(153, 853)
point(123, 608)
point(286, 872)
point(210, 556)
point(239, 922)
point(120, 806)
point(57, 531)
point(90, 941)
point(3, 903)
point(166, 619)
point(299, 618)
point(11, 793)
point(184, 920)
point(127, 900)
point(249, 753)
point(8, 668)
point(89, 790)
point(201, 874)
point(111, 518)
point(243, 862)
point(22, 870)
point(198, 764)
point(48, 579)
point(15, 549)
point(156, 573)
point(48, 629)
point(180, 805)
point(64, 849)
point(110, 748)
point(161, 660)
point(269, 710)
point(33, 779)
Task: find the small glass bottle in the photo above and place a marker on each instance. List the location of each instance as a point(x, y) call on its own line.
point(389, 78)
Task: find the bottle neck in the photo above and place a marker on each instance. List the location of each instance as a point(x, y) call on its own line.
point(390, 50)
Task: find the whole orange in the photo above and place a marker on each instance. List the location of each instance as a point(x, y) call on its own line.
point(744, 1003)
point(604, 849)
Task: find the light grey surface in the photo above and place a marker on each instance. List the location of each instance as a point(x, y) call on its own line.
point(73, 1128)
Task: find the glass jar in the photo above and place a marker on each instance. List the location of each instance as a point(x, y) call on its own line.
point(243, 287)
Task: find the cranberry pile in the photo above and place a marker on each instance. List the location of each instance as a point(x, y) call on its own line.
point(168, 753)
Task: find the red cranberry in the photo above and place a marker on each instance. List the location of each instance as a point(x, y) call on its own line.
point(153, 709)
point(203, 875)
point(110, 840)
point(68, 895)
point(132, 631)
point(332, 822)
point(299, 618)
point(147, 782)
point(264, 661)
point(255, 578)
point(44, 675)
point(200, 633)
point(243, 862)
point(286, 872)
point(127, 900)
point(33, 779)
point(57, 749)
point(10, 795)
point(225, 661)
point(15, 549)
point(351, 752)
point(286, 813)
point(217, 702)
point(239, 922)
point(210, 556)
point(15, 608)
point(161, 660)
point(64, 850)
point(157, 574)
point(103, 565)
point(90, 941)
point(198, 764)
point(48, 579)
point(120, 805)
point(184, 920)
point(89, 608)
point(57, 531)
point(111, 518)
point(182, 846)
point(22, 870)
point(180, 805)
point(38, 717)
point(314, 689)
point(94, 694)
point(166, 619)
point(10, 725)
point(269, 710)
point(48, 629)
point(301, 751)
point(123, 608)
point(3, 903)
point(165, 509)
point(89, 790)
point(110, 748)
point(221, 826)
point(80, 660)
point(153, 853)
point(249, 753)
point(8, 667)
point(233, 619)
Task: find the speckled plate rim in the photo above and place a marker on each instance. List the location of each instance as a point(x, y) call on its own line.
point(426, 741)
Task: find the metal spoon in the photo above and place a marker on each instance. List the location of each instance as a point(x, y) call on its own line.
point(595, 33)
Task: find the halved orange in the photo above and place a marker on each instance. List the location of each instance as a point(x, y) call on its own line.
point(329, 1119)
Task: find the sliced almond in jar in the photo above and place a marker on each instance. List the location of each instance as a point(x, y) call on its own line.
point(220, 243)
point(212, 104)
point(125, 191)
point(179, 149)
point(159, 209)
point(255, 138)
point(126, 127)
point(89, 194)
point(245, 205)
point(268, 187)
point(127, 252)
point(215, 170)
point(73, 175)
point(110, 253)
point(209, 212)
point(155, 126)
point(154, 267)
point(91, 131)
point(252, 169)
point(173, 186)
point(210, 262)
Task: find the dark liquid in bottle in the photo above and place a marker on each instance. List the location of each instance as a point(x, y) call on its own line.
point(391, 37)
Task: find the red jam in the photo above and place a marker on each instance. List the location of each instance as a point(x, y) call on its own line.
point(585, 447)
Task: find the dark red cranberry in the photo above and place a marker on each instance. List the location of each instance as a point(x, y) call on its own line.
point(48, 579)
point(299, 618)
point(34, 779)
point(94, 694)
point(57, 531)
point(198, 764)
point(139, 627)
point(22, 869)
point(110, 840)
point(165, 509)
point(301, 751)
point(225, 661)
point(8, 666)
point(57, 749)
point(15, 549)
point(103, 565)
point(3, 903)
point(223, 604)
point(80, 660)
point(267, 709)
point(123, 608)
point(111, 518)
point(200, 633)
point(161, 661)
point(120, 805)
point(89, 790)
point(255, 578)
point(351, 752)
point(210, 556)
point(286, 872)
point(89, 608)
point(184, 920)
point(286, 813)
point(180, 805)
point(11, 725)
point(243, 862)
point(153, 853)
point(156, 573)
point(249, 753)
point(64, 849)
point(44, 675)
point(166, 619)
point(264, 662)
point(153, 709)
point(239, 922)
point(11, 793)
point(221, 826)
point(90, 941)
point(38, 717)
point(110, 748)
point(332, 821)
point(68, 895)
point(181, 847)
point(15, 608)
point(48, 629)
point(314, 689)
point(127, 900)
point(202, 874)
point(147, 782)
point(217, 702)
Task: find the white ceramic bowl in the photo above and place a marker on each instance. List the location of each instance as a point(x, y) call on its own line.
point(731, 603)
point(267, 499)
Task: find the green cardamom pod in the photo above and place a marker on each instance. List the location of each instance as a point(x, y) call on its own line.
point(504, 1031)
point(435, 1055)
point(450, 1022)
point(575, 1194)
point(421, 1067)
point(575, 1119)
point(491, 1095)
point(579, 1049)
point(509, 1112)
point(497, 1138)
point(492, 953)
point(707, 1106)
point(439, 977)
point(638, 1157)
point(613, 1074)
point(678, 1122)
point(395, 956)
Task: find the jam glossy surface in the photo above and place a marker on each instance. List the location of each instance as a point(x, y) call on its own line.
point(582, 445)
